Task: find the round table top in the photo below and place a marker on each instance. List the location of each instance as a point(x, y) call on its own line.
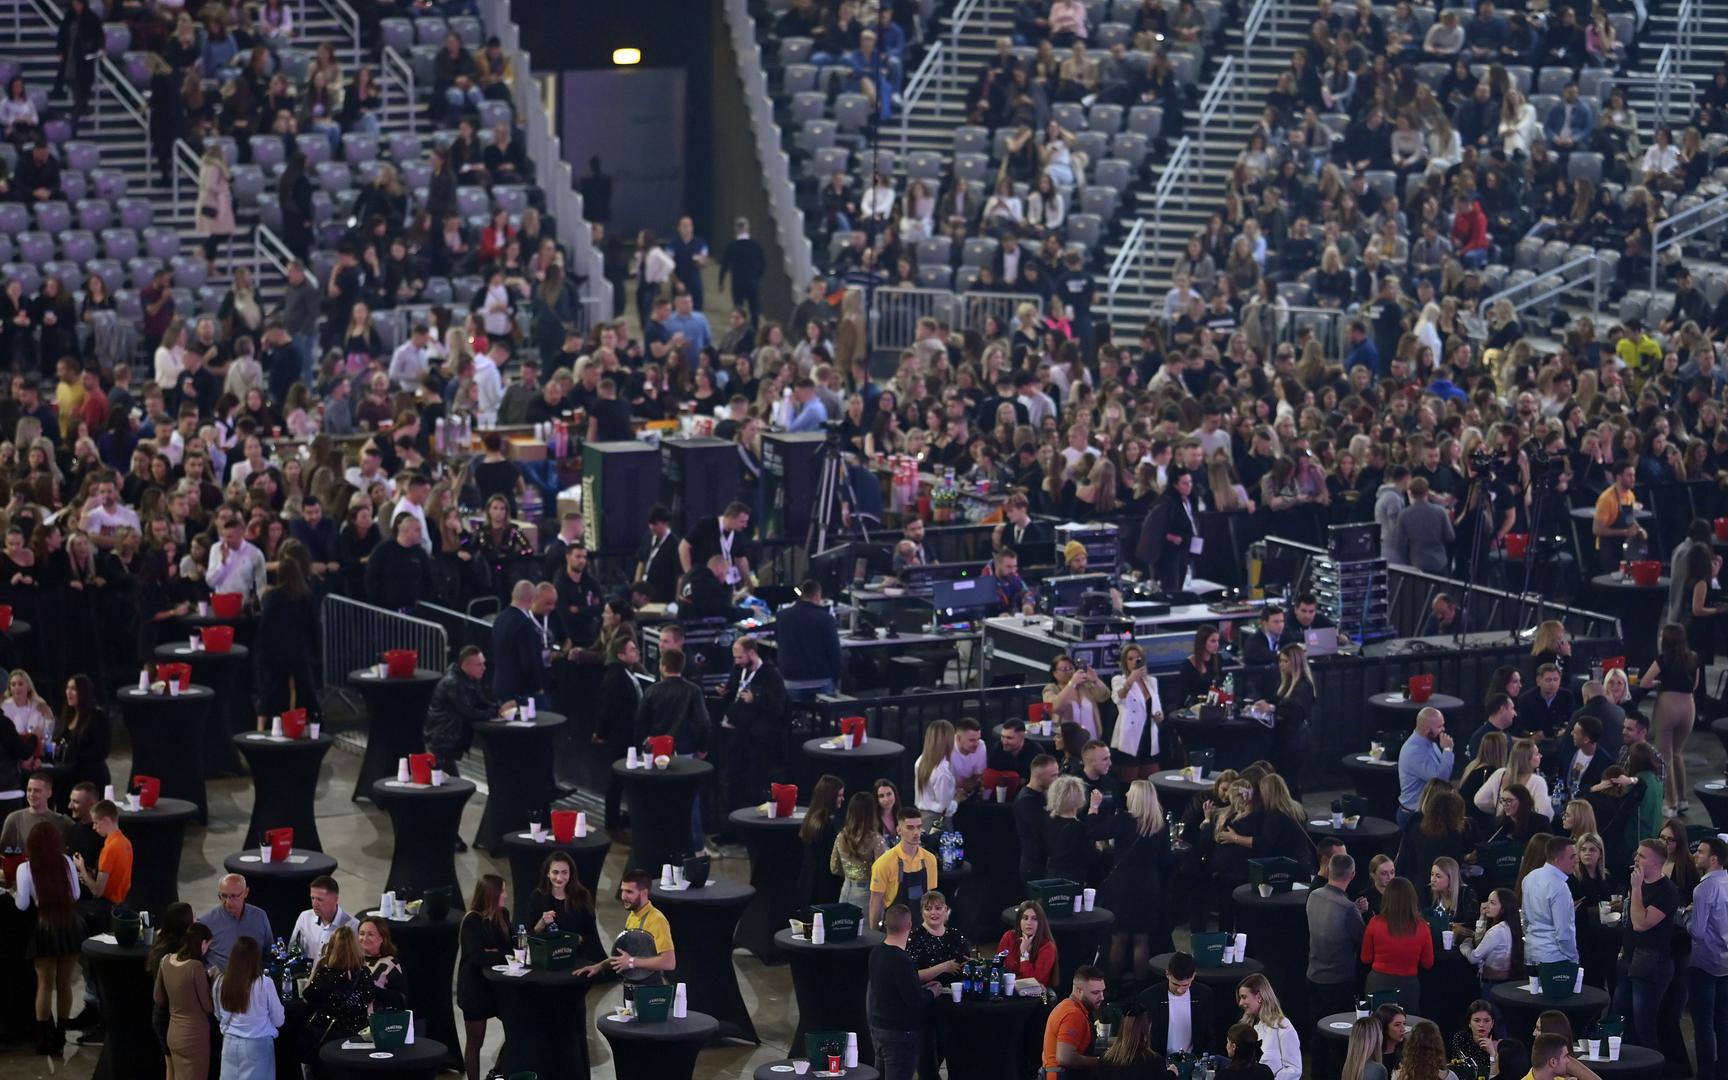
point(1338, 1025)
point(392, 788)
point(1172, 780)
point(544, 720)
point(424, 1054)
point(1399, 701)
point(1712, 789)
point(365, 677)
point(1633, 1061)
point(418, 921)
point(711, 894)
point(1233, 722)
point(825, 747)
point(193, 693)
point(1294, 897)
point(1235, 972)
point(267, 743)
point(679, 768)
point(180, 650)
point(987, 1006)
point(95, 946)
point(784, 1069)
point(1365, 763)
point(165, 812)
point(1096, 919)
point(1615, 581)
point(301, 862)
point(866, 939)
point(537, 978)
point(751, 817)
point(596, 839)
point(193, 618)
point(1589, 999)
point(1367, 827)
point(17, 628)
point(692, 1027)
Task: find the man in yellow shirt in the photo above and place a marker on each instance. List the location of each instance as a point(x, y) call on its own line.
point(68, 394)
point(906, 871)
point(640, 914)
point(1636, 349)
point(1616, 519)
point(1551, 1059)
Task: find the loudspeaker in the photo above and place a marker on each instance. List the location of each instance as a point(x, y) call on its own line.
point(620, 484)
point(789, 471)
point(699, 478)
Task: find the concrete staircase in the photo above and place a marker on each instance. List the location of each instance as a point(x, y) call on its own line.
point(965, 41)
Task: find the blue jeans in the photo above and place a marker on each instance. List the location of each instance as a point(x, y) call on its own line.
point(1709, 995)
point(456, 97)
point(248, 1059)
point(1639, 999)
point(896, 1053)
point(1474, 260)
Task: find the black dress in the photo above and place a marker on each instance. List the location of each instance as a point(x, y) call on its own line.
point(84, 751)
point(484, 944)
point(927, 950)
point(1133, 888)
point(1068, 848)
point(816, 885)
point(571, 918)
point(282, 653)
point(341, 1002)
point(1193, 683)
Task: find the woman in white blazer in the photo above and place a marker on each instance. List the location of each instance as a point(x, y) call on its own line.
point(1280, 1045)
point(1135, 746)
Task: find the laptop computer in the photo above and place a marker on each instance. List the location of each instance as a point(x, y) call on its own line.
point(1320, 642)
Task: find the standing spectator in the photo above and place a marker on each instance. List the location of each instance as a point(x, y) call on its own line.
point(1550, 924)
point(1707, 974)
point(1646, 964)
point(215, 202)
point(248, 1014)
point(236, 566)
point(232, 919)
point(1426, 755)
point(459, 701)
point(1398, 945)
point(85, 734)
point(689, 255)
point(294, 196)
point(398, 575)
point(286, 637)
point(342, 995)
point(897, 1004)
point(77, 44)
point(183, 990)
point(48, 880)
point(745, 260)
point(1334, 937)
point(1068, 1030)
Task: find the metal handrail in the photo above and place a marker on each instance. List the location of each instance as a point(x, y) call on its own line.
point(1223, 86)
point(1554, 283)
point(937, 62)
point(1686, 21)
point(185, 161)
point(346, 18)
point(923, 76)
point(1147, 232)
point(1258, 13)
point(1690, 222)
point(266, 245)
point(396, 70)
point(1125, 258)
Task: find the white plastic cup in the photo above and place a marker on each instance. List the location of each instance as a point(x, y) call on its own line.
point(1241, 947)
point(263, 852)
point(536, 830)
point(955, 990)
point(666, 875)
point(1446, 938)
point(1079, 903)
point(1001, 792)
point(1008, 980)
point(1604, 909)
point(773, 807)
point(677, 875)
point(1199, 773)
point(203, 609)
point(132, 802)
point(173, 687)
point(276, 726)
point(437, 777)
point(581, 823)
point(1535, 986)
point(1595, 1049)
point(386, 904)
point(800, 1067)
point(630, 758)
point(313, 729)
point(1091, 898)
point(1228, 956)
point(379, 671)
point(1613, 1048)
point(194, 642)
point(402, 773)
point(1265, 890)
point(1337, 819)
point(108, 792)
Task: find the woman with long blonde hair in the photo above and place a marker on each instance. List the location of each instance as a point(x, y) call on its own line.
point(1520, 768)
point(933, 790)
point(1280, 1045)
point(1363, 1051)
point(1141, 844)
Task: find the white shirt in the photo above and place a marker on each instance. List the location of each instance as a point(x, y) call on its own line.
point(1134, 713)
point(28, 718)
point(495, 314)
point(1181, 1030)
point(24, 894)
point(242, 571)
point(490, 383)
point(312, 934)
point(363, 480)
point(1488, 796)
point(936, 797)
point(410, 363)
point(1281, 1050)
point(263, 1016)
point(99, 520)
point(169, 365)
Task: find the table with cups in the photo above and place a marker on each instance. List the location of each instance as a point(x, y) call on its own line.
point(1234, 741)
point(284, 782)
point(787, 1068)
point(396, 719)
point(985, 1038)
point(1221, 980)
point(659, 798)
point(704, 923)
point(427, 949)
point(1640, 608)
point(1625, 1062)
point(859, 767)
point(278, 886)
point(203, 617)
point(1395, 710)
point(519, 754)
point(1364, 835)
point(1375, 776)
point(344, 1059)
point(157, 833)
point(227, 672)
point(167, 731)
point(426, 819)
point(1523, 1005)
point(665, 1050)
point(776, 857)
point(123, 992)
point(1713, 796)
point(829, 982)
point(1276, 929)
point(545, 1017)
point(527, 852)
point(1177, 786)
point(1336, 1027)
point(1079, 935)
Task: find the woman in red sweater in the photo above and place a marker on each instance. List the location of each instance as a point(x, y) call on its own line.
point(1398, 946)
point(1031, 951)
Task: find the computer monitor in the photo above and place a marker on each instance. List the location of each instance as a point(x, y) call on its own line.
point(965, 599)
point(924, 576)
point(1061, 595)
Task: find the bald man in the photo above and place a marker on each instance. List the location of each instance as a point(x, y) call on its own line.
point(1426, 755)
point(232, 919)
point(519, 648)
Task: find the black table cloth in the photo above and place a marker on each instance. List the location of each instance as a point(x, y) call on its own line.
point(829, 983)
point(985, 1039)
point(245, 625)
point(519, 782)
point(1222, 981)
point(395, 722)
point(229, 675)
point(168, 741)
point(545, 1015)
point(1394, 710)
point(776, 856)
point(157, 835)
point(123, 991)
point(1174, 791)
point(1234, 742)
point(1448, 988)
point(1720, 729)
point(785, 1070)
point(1376, 780)
point(993, 849)
point(659, 805)
point(704, 922)
point(284, 784)
point(1336, 1026)
point(17, 973)
point(663, 1051)
point(860, 769)
point(1640, 608)
point(526, 856)
point(1713, 794)
point(1081, 937)
point(1277, 929)
point(427, 951)
point(280, 889)
point(1372, 836)
point(424, 1060)
point(1522, 1007)
point(1635, 1063)
point(426, 821)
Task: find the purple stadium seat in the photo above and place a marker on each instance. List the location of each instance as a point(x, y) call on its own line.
point(210, 298)
point(56, 131)
point(116, 39)
point(95, 214)
point(142, 270)
point(404, 148)
point(112, 273)
point(333, 176)
point(53, 217)
point(25, 274)
point(358, 147)
point(120, 244)
point(136, 213)
point(270, 213)
point(7, 252)
point(8, 68)
point(71, 274)
point(127, 304)
point(438, 291)
point(14, 218)
point(73, 186)
point(138, 69)
point(322, 261)
point(161, 244)
point(467, 28)
point(247, 184)
point(190, 272)
point(108, 183)
point(472, 202)
point(230, 148)
point(267, 150)
point(417, 174)
point(430, 30)
point(82, 156)
point(314, 145)
point(78, 246)
point(398, 34)
point(367, 171)
point(322, 206)
point(511, 198)
point(493, 113)
point(35, 248)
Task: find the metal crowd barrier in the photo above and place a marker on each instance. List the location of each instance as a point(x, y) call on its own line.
point(356, 635)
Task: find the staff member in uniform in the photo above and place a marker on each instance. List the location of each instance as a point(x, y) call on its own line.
point(906, 871)
point(727, 535)
point(754, 704)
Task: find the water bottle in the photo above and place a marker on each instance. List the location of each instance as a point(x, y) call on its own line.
point(521, 939)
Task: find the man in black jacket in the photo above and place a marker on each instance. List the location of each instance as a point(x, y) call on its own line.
point(1546, 707)
point(746, 262)
point(674, 706)
point(580, 600)
point(1181, 1010)
point(754, 702)
point(657, 556)
point(1029, 814)
point(519, 648)
point(459, 701)
point(703, 593)
point(1588, 761)
point(808, 640)
point(895, 1001)
point(399, 574)
point(1012, 753)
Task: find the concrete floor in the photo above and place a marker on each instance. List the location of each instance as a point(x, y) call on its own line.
point(360, 839)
